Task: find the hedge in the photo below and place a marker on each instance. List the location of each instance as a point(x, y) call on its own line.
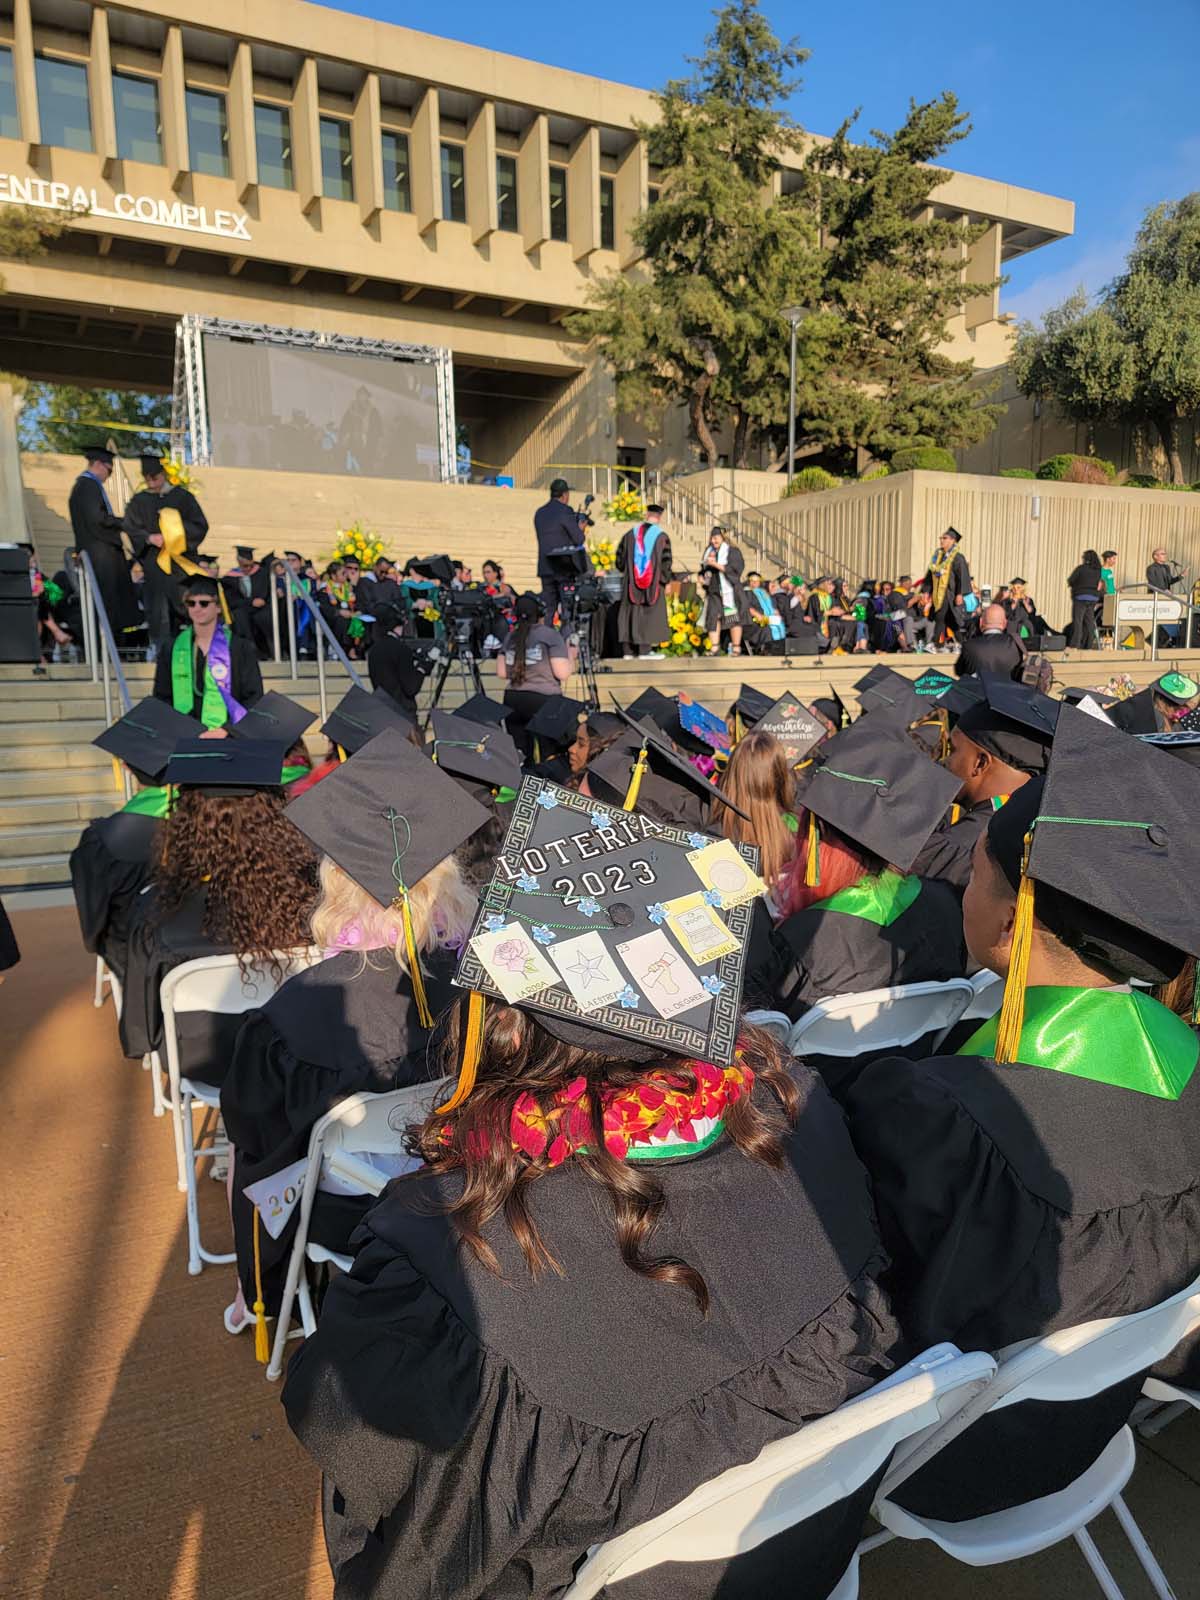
point(1017, 472)
point(1078, 469)
point(923, 458)
point(810, 480)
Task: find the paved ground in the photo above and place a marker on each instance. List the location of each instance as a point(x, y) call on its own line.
point(143, 1455)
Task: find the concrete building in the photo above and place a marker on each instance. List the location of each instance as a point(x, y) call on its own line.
point(291, 164)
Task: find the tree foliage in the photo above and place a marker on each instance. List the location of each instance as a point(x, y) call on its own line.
point(25, 231)
point(64, 418)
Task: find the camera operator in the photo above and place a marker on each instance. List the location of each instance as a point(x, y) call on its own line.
point(394, 663)
point(558, 529)
point(534, 664)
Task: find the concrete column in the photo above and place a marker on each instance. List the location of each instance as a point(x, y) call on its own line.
point(26, 78)
point(425, 154)
point(172, 108)
point(366, 148)
point(631, 191)
point(239, 109)
point(100, 93)
point(583, 195)
point(13, 524)
point(306, 136)
point(533, 184)
point(482, 214)
point(983, 266)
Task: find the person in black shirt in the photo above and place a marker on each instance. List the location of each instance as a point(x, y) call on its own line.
point(392, 661)
point(556, 526)
point(1086, 584)
point(994, 649)
point(1163, 575)
point(97, 531)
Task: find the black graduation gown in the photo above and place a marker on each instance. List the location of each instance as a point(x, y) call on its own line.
point(245, 676)
point(96, 530)
point(110, 866)
point(479, 1433)
point(165, 612)
point(391, 665)
point(9, 952)
point(153, 949)
point(338, 1029)
point(946, 854)
point(1016, 1200)
point(642, 613)
point(250, 621)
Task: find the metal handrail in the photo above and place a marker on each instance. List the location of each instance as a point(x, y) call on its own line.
point(102, 650)
point(325, 638)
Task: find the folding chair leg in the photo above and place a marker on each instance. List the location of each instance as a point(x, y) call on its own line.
point(1159, 1416)
point(1096, 1561)
point(98, 996)
point(184, 1120)
point(295, 1274)
point(1142, 1551)
point(308, 1317)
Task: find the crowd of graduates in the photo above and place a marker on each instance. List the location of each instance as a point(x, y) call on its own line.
point(635, 1240)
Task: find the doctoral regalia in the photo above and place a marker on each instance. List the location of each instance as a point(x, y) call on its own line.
point(484, 1430)
point(347, 1026)
point(644, 557)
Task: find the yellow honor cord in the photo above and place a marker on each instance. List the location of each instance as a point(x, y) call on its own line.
point(174, 551)
point(472, 1045)
point(262, 1345)
point(812, 864)
point(635, 782)
point(1012, 1011)
point(416, 976)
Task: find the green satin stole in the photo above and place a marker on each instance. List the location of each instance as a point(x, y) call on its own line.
point(213, 711)
point(1127, 1040)
point(152, 802)
point(874, 899)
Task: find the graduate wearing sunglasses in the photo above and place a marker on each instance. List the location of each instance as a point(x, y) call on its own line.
point(210, 671)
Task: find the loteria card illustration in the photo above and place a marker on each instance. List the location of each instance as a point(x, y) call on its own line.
point(662, 974)
point(699, 929)
point(588, 971)
point(513, 962)
point(722, 870)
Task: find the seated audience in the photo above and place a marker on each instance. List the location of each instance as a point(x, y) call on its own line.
point(759, 780)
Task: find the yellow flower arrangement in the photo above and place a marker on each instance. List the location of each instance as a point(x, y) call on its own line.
point(431, 614)
point(687, 634)
point(358, 543)
point(179, 474)
point(626, 505)
point(603, 553)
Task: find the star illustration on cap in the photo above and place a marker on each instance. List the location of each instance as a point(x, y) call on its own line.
point(590, 969)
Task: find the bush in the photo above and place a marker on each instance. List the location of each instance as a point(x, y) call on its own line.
point(879, 470)
point(811, 480)
point(1017, 472)
point(1142, 480)
point(923, 458)
point(1078, 469)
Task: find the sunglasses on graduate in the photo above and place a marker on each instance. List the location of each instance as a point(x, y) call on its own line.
point(199, 605)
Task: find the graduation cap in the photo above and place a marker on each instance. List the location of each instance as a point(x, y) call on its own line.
point(557, 719)
point(243, 552)
point(876, 674)
point(1185, 746)
point(1137, 714)
point(1013, 722)
point(655, 707)
point(227, 766)
point(1100, 864)
point(482, 708)
point(751, 704)
point(1190, 722)
point(703, 724)
point(479, 751)
point(359, 716)
point(834, 708)
point(607, 927)
point(145, 736)
point(962, 694)
point(670, 763)
point(151, 464)
point(794, 725)
point(881, 792)
point(1177, 687)
point(275, 716)
point(97, 452)
point(891, 694)
point(933, 683)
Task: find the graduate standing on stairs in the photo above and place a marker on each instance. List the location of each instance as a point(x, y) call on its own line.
point(209, 666)
point(166, 545)
point(97, 532)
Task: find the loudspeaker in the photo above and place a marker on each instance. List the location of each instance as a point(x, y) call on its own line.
point(14, 573)
point(1048, 641)
point(18, 628)
point(808, 644)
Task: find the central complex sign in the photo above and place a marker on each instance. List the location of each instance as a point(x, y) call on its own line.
point(124, 207)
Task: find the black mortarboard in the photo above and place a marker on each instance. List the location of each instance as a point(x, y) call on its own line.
point(1184, 746)
point(933, 683)
point(1013, 722)
point(654, 706)
point(1108, 857)
point(274, 717)
point(794, 725)
point(604, 724)
point(387, 816)
point(482, 708)
point(146, 735)
point(881, 792)
point(1177, 687)
point(200, 583)
point(1189, 722)
point(151, 464)
point(227, 766)
point(556, 721)
point(834, 708)
point(666, 763)
point(962, 694)
point(571, 868)
point(892, 695)
point(476, 750)
point(751, 703)
point(1137, 714)
point(954, 534)
point(98, 452)
point(874, 675)
point(359, 716)
point(244, 552)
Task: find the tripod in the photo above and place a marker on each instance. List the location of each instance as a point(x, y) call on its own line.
point(459, 647)
point(578, 619)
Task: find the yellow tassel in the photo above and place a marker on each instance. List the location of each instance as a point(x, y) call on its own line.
point(955, 813)
point(341, 753)
point(537, 750)
point(117, 780)
point(812, 864)
point(1012, 1012)
point(635, 782)
point(262, 1345)
point(416, 976)
point(737, 726)
point(472, 1045)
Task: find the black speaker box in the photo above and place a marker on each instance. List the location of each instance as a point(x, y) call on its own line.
point(18, 628)
point(808, 644)
point(1048, 641)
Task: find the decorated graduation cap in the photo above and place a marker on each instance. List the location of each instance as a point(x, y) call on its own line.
point(359, 716)
point(1177, 687)
point(648, 769)
point(750, 705)
point(1189, 722)
point(1137, 714)
point(703, 724)
point(145, 737)
point(798, 730)
point(1185, 746)
point(616, 931)
point(932, 684)
point(479, 751)
point(1100, 864)
point(227, 766)
point(879, 790)
point(482, 708)
point(663, 712)
point(556, 721)
point(275, 716)
point(1012, 722)
point(834, 708)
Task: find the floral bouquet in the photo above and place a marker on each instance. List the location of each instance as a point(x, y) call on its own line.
point(626, 505)
point(603, 553)
point(179, 474)
point(357, 543)
point(688, 637)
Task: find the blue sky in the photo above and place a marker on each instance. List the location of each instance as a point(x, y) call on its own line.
point(1095, 102)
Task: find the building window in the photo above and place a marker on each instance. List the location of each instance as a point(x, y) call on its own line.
point(652, 194)
point(273, 142)
point(139, 130)
point(208, 132)
point(337, 170)
point(454, 184)
point(506, 193)
point(62, 92)
point(558, 202)
point(397, 186)
point(608, 214)
point(10, 122)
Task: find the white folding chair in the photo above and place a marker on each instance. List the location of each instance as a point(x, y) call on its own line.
point(880, 1019)
point(106, 978)
point(212, 984)
point(777, 1023)
point(361, 1125)
point(1072, 1364)
point(794, 1478)
point(988, 994)
point(1168, 1403)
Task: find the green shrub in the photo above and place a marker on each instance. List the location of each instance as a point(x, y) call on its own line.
point(1078, 469)
point(923, 458)
point(1142, 480)
point(810, 480)
point(879, 470)
point(1017, 472)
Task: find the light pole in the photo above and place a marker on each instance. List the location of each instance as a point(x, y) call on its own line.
point(794, 315)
